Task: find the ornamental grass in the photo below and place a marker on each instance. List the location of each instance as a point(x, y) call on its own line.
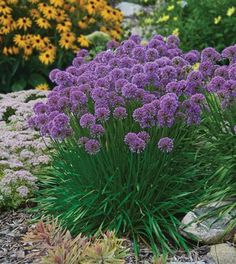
point(133, 134)
point(36, 35)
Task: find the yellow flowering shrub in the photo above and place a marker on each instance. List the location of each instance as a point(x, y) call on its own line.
point(36, 35)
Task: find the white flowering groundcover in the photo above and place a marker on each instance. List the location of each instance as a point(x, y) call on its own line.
point(22, 151)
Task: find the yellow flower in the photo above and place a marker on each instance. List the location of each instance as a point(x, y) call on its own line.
point(230, 11)
point(47, 57)
point(43, 23)
point(24, 22)
point(64, 26)
point(34, 13)
point(196, 66)
point(83, 41)
point(50, 12)
point(82, 24)
point(37, 42)
point(4, 9)
point(170, 8)
point(61, 15)
point(164, 18)
point(42, 87)
point(217, 20)
point(57, 3)
point(10, 50)
point(19, 40)
point(28, 50)
point(176, 32)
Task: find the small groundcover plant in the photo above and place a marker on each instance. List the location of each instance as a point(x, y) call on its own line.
point(199, 24)
point(36, 35)
point(53, 244)
point(125, 127)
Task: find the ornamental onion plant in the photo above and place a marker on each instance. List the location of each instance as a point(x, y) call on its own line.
point(125, 127)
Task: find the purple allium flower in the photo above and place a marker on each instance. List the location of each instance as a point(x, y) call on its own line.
point(136, 38)
point(232, 72)
point(82, 141)
point(166, 144)
point(144, 136)
point(97, 130)
point(137, 68)
point(210, 54)
point(120, 113)
point(78, 97)
point(102, 113)
point(229, 52)
point(61, 120)
point(192, 57)
point(206, 68)
point(112, 44)
point(173, 41)
point(77, 61)
point(139, 80)
point(92, 146)
point(99, 94)
point(116, 74)
point(134, 142)
point(82, 53)
point(216, 84)
point(52, 74)
point(222, 72)
point(41, 120)
point(151, 54)
point(130, 91)
point(40, 108)
point(198, 98)
point(87, 120)
point(128, 46)
point(138, 53)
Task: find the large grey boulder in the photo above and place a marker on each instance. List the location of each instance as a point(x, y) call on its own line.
point(212, 230)
point(129, 9)
point(223, 254)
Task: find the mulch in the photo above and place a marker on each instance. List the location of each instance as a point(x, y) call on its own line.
point(15, 224)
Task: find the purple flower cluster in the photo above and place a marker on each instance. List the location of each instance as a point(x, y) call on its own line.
point(153, 84)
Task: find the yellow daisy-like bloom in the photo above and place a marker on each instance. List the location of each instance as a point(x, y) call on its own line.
point(83, 41)
point(4, 30)
point(57, 3)
point(43, 23)
point(50, 12)
point(10, 50)
point(82, 24)
point(114, 34)
point(47, 57)
point(164, 18)
point(65, 43)
point(61, 15)
point(4, 9)
point(24, 22)
point(176, 32)
point(37, 42)
point(41, 6)
point(34, 13)
point(217, 20)
point(170, 8)
point(64, 26)
point(42, 87)
point(230, 11)
point(20, 41)
point(28, 50)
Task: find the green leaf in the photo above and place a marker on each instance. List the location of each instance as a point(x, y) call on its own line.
point(36, 79)
point(19, 85)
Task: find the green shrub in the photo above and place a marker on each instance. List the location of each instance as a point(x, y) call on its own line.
point(199, 24)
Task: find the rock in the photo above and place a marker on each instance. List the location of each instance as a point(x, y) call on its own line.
point(209, 231)
point(223, 254)
point(129, 9)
